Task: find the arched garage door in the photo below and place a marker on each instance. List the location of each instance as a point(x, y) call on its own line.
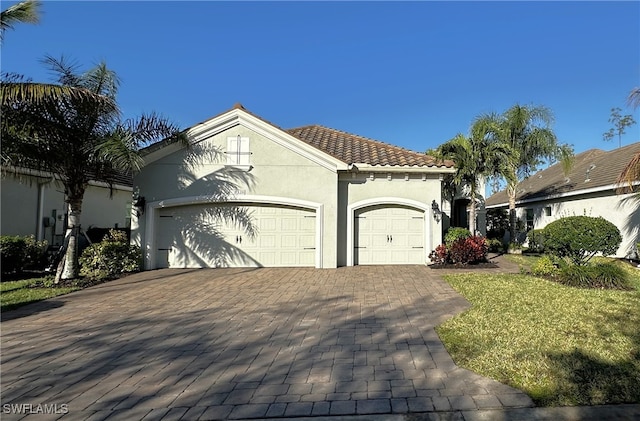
point(389, 234)
point(190, 237)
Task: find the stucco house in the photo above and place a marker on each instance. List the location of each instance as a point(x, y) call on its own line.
point(32, 203)
point(588, 189)
point(317, 196)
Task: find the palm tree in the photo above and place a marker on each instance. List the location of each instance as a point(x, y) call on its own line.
point(631, 171)
point(14, 89)
point(527, 131)
point(474, 156)
point(76, 139)
point(27, 11)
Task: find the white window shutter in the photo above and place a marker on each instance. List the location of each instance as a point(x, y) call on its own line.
point(232, 151)
point(245, 154)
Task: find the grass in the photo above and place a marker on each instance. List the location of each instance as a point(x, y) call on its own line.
point(14, 294)
point(561, 345)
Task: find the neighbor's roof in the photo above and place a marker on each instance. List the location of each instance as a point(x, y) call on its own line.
point(346, 147)
point(591, 169)
point(350, 148)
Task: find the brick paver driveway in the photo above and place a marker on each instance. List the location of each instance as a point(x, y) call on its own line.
point(242, 343)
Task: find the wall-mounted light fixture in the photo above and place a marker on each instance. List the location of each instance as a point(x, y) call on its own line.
point(437, 213)
point(139, 202)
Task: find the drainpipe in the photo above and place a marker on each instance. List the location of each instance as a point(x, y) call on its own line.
point(40, 211)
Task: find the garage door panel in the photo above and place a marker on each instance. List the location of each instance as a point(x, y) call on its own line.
point(189, 236)
point(389, 234)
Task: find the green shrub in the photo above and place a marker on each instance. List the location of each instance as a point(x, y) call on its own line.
point(581, 237)
point(545, 266)
point(495, 246)
point(603, 275)
point(535, 238)
point(110, 257)
point(19, 253)
point(455, 233)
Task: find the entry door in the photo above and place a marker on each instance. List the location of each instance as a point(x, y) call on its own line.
point(388, 235)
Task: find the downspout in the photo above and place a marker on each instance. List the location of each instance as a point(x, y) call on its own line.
point(40, 211)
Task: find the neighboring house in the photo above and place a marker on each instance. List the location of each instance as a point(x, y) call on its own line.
point(33, 204)
point(588, 189)
point(319, 197)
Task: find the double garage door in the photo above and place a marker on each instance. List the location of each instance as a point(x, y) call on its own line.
point(388, 235)
point(193, 236)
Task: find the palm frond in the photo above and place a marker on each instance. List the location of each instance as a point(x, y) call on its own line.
point(633, 100)
point(23, 12)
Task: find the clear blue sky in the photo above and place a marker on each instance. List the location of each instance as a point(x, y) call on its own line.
point(413, 73)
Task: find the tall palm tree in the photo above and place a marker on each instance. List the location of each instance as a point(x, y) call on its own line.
point(27, 11)
point(77, 140)
point(474, 156)
point(527, 131)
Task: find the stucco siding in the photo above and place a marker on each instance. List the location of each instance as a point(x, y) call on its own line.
point(20, 206)
point(276, 171)
point(361, 188)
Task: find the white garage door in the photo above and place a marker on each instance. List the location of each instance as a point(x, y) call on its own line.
point(387, 235)
point(188, 237)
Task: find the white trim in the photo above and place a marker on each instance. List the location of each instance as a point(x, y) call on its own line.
point(399, 168)
point(567, 194)
point(152, 208)
point(351, 212)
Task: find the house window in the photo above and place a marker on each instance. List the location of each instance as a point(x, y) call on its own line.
point(547, 211)
point(238, 151)
point(529, 219)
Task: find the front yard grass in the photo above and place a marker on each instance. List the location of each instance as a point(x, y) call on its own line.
point(561, 345)
point(14, 294)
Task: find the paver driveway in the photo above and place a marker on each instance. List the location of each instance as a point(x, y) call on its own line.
point(243, 343)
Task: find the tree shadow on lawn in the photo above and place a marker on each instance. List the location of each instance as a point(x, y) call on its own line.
point(233, 352)
point(592, 380)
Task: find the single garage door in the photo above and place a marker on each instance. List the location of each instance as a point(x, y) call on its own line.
point(190, 237)
point(389, 235)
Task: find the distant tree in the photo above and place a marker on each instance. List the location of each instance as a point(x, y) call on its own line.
point(27, 11)
point(620, 123)
point(526, 130)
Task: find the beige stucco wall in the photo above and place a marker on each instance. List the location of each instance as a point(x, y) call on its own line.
point(359, 187)
point(277, 172)
point(621, 210)
point(19, 201)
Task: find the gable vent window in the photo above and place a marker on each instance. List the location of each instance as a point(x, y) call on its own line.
point(238, 151)
point(547, 211)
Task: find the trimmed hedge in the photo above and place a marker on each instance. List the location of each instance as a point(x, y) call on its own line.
point(463, 251)
point(20, 253)
point(110, 257)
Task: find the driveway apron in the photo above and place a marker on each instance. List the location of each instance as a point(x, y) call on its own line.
point(242, 343)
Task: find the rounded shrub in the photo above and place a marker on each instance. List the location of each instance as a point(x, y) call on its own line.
point(545, 266)
point(110, 257)
point(19, 253)
point(579, 238)
point(455, 233)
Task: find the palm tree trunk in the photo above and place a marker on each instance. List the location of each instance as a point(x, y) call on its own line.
point(472, 214)
point(511, 191)
point(68, 267)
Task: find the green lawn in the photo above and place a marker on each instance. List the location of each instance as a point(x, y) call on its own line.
point(561, 345)
point(14, 294)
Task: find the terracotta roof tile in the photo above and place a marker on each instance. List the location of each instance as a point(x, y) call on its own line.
point(591, 169)
point(351, 148)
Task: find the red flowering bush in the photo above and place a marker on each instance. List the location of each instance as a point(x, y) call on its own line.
point(463, 251)
point(440, 255)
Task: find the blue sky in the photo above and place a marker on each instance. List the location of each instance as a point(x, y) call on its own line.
point(409, 73)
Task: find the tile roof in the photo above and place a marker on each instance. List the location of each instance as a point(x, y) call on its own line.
point(591, 169)
point(351, 148)
point(346, 147)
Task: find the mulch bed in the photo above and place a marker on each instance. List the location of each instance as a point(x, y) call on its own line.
point(483, 265)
